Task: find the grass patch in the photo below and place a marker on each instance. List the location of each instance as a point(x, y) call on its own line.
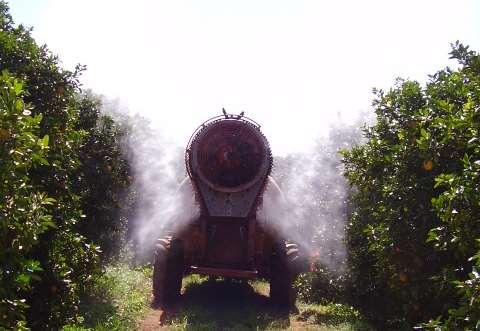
point(119, 298)
point(219, 304)
point(332, 316)
point(122, 297)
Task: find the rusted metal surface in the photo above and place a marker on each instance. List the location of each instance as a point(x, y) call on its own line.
point(233, 273)
point(229, 156)
point(227, 242)
point(228, 160)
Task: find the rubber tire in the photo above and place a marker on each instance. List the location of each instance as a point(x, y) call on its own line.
point(282, 275)
point(167, 270)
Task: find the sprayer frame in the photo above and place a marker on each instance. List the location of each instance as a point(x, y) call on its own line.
point(265, 251)
point(252, 267)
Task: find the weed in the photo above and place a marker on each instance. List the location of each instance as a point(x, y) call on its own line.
point(118, 299)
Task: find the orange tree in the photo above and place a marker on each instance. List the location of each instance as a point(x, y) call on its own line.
point(104, 176)
point(58, 156)
point(63, 259)
point(413, 235)
point(24, 208)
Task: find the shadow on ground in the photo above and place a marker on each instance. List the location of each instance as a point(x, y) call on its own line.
point(235, 305)
point(225, 305)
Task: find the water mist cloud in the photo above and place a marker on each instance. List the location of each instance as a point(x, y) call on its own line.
point(314, 209)
point(161, 205)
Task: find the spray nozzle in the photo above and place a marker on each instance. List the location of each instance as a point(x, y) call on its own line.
point(227, 115)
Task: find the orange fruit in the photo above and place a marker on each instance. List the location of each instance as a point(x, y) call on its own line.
point(4, 134)
point(427, 165)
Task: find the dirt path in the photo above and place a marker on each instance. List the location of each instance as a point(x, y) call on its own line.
point(223, 305)
point(157, 319)
point(214, 305)
point(152, 321)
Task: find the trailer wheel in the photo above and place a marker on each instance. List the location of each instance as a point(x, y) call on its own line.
point(283, 274)
point(167, 270)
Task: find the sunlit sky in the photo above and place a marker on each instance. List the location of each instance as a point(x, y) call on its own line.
point(294, 66)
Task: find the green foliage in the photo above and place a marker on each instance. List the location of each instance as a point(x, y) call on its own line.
point(333, 316)
point(104, 176)
point(50, 134)
point(116, 300)
point(414, 229)
point(322, 285)
point(24, 209)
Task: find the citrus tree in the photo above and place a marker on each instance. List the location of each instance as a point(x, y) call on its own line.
point(54, 147)
point(414, 231)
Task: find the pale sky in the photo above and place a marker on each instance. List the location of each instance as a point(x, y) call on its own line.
point(294, 66)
